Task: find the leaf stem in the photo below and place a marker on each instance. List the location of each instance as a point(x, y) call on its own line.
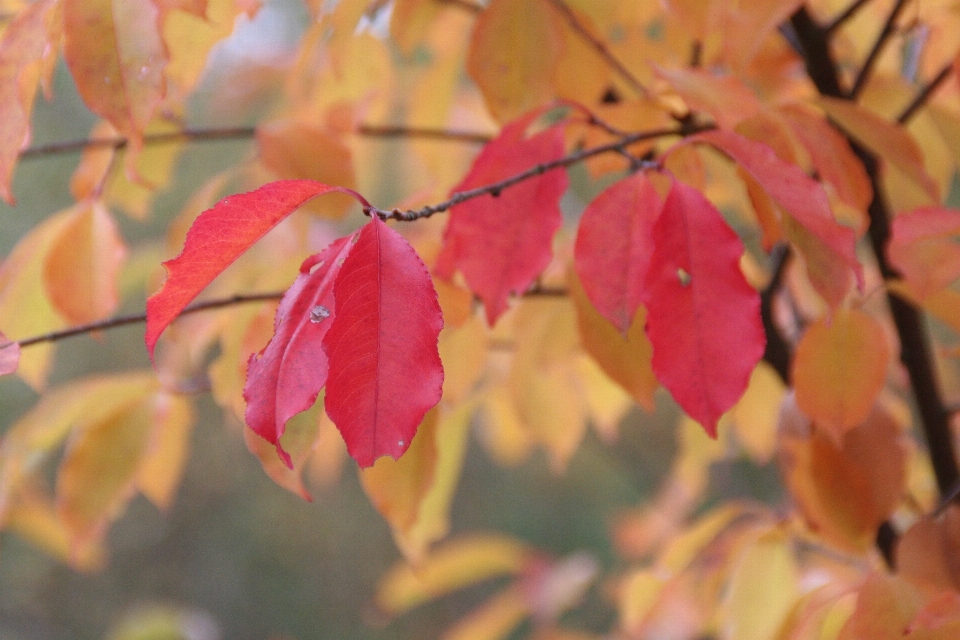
point(874, 54)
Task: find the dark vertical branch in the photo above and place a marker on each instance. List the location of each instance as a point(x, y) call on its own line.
point(871, 60)
point(915, 352)
point(777, 351)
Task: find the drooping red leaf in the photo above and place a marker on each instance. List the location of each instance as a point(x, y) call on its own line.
point(218, 237)
point(500, 244)
point(285, 377)
point(703, 317)
point(613, 247)
point(385, 370)
point(9, 355)
point(828, 246)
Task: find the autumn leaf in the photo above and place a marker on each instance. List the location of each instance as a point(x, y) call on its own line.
point(385, 370)
point(116, 57)
point(613, 247)
point(923, 248)
point(512, 54)
point(25, 41)
point(218, 237)
point(703, 317)
point(829, 247)
point(501, 243)
point(285, 377)
point(839, 369)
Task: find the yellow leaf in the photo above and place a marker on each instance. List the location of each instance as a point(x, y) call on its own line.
point(25, 309)
point(494, 619)
point(884, 139)
point(501, 430)
point(748, 22)
point(163, 466)
point(512, 55)
point(607, 402)
point(755, 414)
point(463, 351)
point(626, 359)
point(580, 73)
point(763, 586)
point(98, 473)
point(452, 566)
point(83, 263)
point(411, 20)
point(299, 440)
point(115, 54)
point(839, 369)
point(433, 517)
point(397, 487)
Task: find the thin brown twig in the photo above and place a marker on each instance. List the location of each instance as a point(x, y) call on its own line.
point(874, 54)
point(924, 95)
point(600, 47)
point(845, 15)
point(495, 188)
point(137, 318)
point(241, 133)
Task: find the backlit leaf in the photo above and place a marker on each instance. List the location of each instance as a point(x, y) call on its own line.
point(828, 246)
point(703, 317)
point(454, 565)
point(883, 138)
point(218, 237)
point(500, 244)
point(83, 263)
point(725, 98)
point(625, 358)
point(613, 247)
point(166, 458)
point(285, 377)
point(886, 605)
point(748, 23)
point(923, 248)
point(512, 55)
point(839, 369)
point(25, 40)
point(116, 57)
point(385, 370)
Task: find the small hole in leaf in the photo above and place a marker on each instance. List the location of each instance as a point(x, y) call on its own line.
point(340, 262)
point(316, 266)
point(400, 443)
point(685, 277)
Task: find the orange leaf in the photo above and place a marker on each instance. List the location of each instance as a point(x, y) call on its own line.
point(116, 57)
point(839, 369)
point(883, 138)
point(725, 98)
point(927, 552)
point(512, 55)
point(83, 263)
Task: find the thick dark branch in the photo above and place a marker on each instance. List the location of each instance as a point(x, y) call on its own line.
point(497, 187)
point(599, 46)
point(921, 99)
point(777, 351)
point(814, 42)
point(915, 352)
point(874, 54)
point(242, 133)
point(137, 318)
point(847, 13)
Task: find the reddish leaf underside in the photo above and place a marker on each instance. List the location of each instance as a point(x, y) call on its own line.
point(613, 247)
point(218, 237)
point(501, 244)
point(828, 246)
point(285, 377)
point(385, 370)
point(703, 317)
point(924, 249)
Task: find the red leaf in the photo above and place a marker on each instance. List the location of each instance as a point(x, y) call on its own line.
point(830, 248)
point(218, 237)
point(613, 247)
point(285, 377)
point(501, 244)
point(385, 370)
point(703, 317)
